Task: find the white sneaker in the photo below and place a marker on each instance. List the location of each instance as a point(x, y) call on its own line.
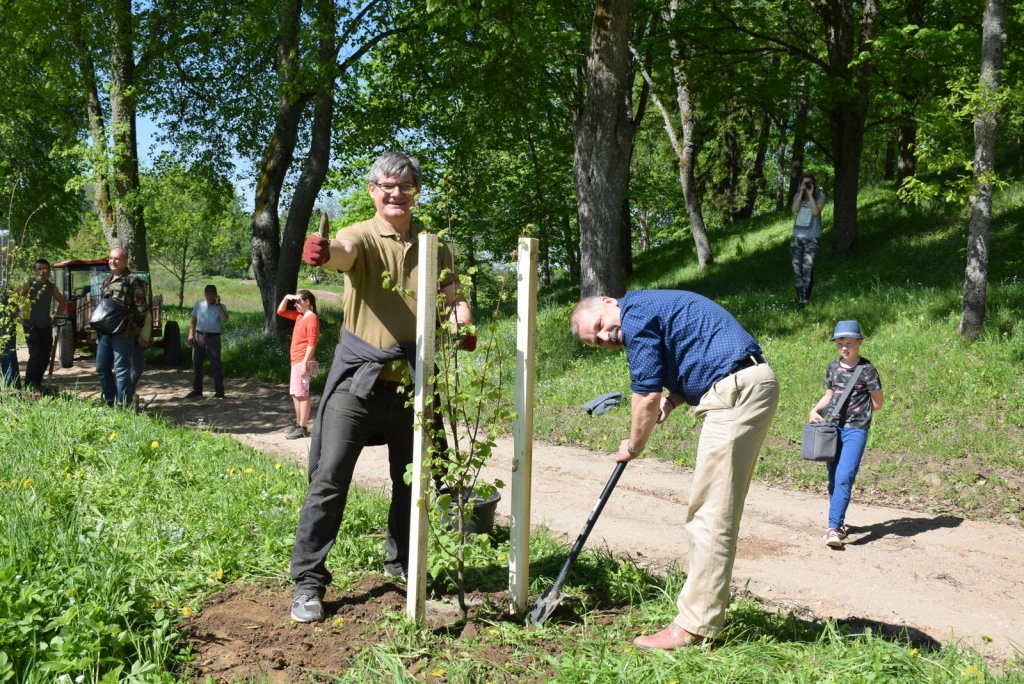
point(832, 538)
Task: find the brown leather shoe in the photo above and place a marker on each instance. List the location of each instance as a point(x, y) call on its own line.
point(670, 638)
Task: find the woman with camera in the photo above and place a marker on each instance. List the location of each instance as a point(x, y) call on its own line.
point(803, 246)
point(301, 308)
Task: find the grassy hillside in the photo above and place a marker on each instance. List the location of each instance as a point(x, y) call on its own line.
point(950, 436)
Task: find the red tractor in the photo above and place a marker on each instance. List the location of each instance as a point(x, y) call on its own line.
point(79, 281)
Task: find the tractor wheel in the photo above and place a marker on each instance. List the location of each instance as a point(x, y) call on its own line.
point(66, 342)
point(172, 344)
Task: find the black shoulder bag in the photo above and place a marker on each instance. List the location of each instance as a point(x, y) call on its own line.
point(109, 316)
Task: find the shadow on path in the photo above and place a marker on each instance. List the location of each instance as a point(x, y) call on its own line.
point(901, 527)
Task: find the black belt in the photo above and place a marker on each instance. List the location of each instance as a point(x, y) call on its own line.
point(200, 332)
point(747, 362)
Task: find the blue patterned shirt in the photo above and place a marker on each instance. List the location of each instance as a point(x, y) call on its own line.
point(680, 341)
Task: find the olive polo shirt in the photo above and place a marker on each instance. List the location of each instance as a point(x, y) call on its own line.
point(378, 314)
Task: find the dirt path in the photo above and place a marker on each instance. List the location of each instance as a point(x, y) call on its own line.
point(943, 576)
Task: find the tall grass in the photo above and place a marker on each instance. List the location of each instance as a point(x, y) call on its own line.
point(113, 525)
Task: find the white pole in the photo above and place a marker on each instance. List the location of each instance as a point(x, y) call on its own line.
point(426, 327)
point(522, 430)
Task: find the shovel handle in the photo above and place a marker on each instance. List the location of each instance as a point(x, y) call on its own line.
point(322, 228)
point(588, 527)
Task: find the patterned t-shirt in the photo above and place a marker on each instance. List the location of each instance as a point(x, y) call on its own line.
point(857, 411)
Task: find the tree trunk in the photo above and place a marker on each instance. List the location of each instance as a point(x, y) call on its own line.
point(729, 186)
point(993, 39)
point(128, 211)
point(890, 162)
point(688, 149)
point(780, 172)
point(97, 130)
point(313, 172)
point(626, 236)
point(906, 152)
point(755, 179)
point(603, 137)
point(643, 220)
point(906, 133)
point(266, 224)
point(571, 251)
point(849, 113)
point(796, 167)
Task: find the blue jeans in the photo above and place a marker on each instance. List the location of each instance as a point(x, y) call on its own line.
point(113, 365)
point(9, 360)
point(842, 473)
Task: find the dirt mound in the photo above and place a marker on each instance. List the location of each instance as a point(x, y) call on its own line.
point(246, 633)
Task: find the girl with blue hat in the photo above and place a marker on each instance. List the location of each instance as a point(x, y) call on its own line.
point(853, 420)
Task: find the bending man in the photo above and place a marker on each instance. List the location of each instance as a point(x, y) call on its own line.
point(693, 348)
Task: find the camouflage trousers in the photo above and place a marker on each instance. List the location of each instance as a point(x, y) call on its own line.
point(803, 251)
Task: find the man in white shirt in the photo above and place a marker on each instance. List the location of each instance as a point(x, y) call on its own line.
point(204, 335)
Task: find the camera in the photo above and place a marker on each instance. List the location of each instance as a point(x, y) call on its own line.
point(808, 185)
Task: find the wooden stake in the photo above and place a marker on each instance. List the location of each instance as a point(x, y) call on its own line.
point(426, 327)
point(522, 430)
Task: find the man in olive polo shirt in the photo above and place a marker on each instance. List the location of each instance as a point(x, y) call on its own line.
point(361, 401)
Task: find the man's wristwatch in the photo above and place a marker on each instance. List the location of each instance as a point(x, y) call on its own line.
point(632, 452)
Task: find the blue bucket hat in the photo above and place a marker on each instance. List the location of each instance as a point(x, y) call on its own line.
point(847, 329)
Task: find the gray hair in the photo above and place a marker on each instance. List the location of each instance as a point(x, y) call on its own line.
point(587, 304)
point(394, 164)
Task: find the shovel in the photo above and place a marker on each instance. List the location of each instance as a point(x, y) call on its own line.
point(550, 599)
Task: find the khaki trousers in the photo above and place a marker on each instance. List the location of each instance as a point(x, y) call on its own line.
point(737, 411)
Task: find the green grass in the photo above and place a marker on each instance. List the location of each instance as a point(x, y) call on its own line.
point(113, 526)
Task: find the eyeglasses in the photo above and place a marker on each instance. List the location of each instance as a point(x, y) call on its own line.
point(406, 188)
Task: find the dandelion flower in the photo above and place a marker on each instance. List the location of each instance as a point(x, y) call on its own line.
point(28, 484)
point(113, 435)
point(186, 611)
point(986, 638)
point(437, 673)
point(629, 649)
point(277, 466)
point(250, 471)
point(154, 444)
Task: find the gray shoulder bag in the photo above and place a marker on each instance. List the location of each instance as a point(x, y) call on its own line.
point(820, 440)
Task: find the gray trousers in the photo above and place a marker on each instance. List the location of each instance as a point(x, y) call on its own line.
point(348, 423)
point(207, 346)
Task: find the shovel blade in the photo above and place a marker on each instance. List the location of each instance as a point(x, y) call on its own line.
point(543, 608)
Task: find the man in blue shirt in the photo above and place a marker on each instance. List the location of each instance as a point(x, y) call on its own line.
point(693, 348)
